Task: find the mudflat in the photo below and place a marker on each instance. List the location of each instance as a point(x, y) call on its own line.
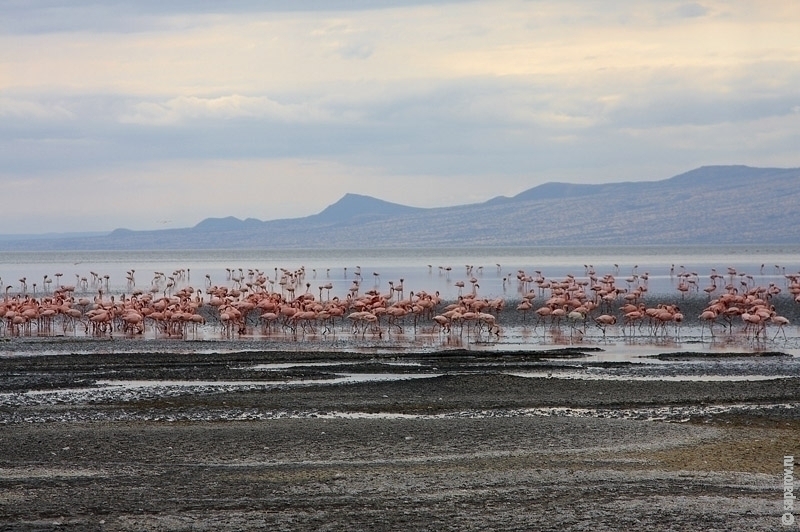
point(253, 440)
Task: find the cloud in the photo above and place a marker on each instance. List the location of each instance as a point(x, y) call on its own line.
point(461, 100)
point(356, 50)
point(15, 108)
point(186, 108)
point(115, 16)
point(691, 10)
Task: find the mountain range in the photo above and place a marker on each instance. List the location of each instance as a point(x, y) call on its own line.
point(708, 205)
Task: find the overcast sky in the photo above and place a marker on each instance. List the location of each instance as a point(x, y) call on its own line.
point(156, 114)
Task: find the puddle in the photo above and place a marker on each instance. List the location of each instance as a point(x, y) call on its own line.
point(348, 378)
point(276, 366)
point(111, 385)
point(288, 365)
point(128, 390)
point(576, 375)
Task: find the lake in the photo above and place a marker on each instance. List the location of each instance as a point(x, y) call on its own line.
point(431, 270)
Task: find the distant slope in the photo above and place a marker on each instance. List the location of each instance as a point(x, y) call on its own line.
point(228, 223)
point(708, 205)
point(556, 191)
point(738, 175)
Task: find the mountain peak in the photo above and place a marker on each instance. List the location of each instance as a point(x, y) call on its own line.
point(356, 206)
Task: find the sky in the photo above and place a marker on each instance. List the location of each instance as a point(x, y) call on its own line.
point(159, 114)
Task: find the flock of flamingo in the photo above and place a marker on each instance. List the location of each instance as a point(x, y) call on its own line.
point(253, 303)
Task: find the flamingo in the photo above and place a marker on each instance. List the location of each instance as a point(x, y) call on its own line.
point(443, 323)
point(604, 320)
point(707, 316)
point(781, 322)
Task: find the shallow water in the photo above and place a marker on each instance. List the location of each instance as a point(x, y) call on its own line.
point(430, 270)
point(593, 376)
point(289, 365)
point(348, 378)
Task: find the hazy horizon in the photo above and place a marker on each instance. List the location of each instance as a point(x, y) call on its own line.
point(332, 202)
point(158, 115)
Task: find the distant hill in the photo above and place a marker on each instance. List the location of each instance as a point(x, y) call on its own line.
point(362, 209)
point(708, 205)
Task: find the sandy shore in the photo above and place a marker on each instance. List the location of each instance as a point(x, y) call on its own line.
point(455, 440)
